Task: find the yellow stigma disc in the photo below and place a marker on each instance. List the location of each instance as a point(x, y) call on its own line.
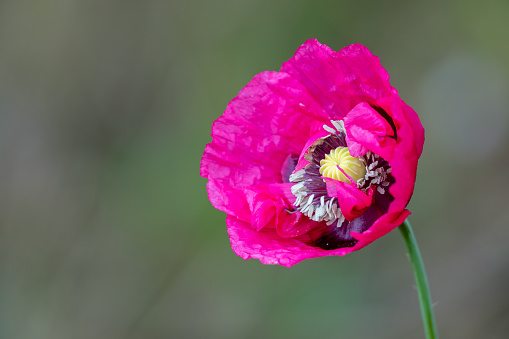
point(341, 158)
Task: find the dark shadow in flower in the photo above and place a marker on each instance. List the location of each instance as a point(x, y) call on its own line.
point(341, 236)
point(389, 119)
point(288, 167)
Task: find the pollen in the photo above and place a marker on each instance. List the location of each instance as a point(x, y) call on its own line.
point(338, 161)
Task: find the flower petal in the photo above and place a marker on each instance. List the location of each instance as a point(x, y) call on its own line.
point(270, 248)
point(339, 80)
point(405, 155)
point(294, 224)
point(381, 227)
point(352, 201)
point(367, 129)
point(343, 236)
point(266, 202)
point(268, 121)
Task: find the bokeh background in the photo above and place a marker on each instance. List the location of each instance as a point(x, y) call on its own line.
point(105, 227)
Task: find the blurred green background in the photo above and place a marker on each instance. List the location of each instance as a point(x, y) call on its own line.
point(106, 229)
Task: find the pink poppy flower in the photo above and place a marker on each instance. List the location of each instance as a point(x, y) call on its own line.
point(315, 160)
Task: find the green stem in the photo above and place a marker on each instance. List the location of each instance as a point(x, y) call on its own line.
point(421, 279)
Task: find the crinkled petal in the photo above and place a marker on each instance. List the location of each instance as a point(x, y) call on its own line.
point(339, 80)
point(271, 207)
point(229, 200)
point(266, 203)
point(266, 122)
point(272, 249)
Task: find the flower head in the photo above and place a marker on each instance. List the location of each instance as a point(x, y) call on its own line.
point(317, 159)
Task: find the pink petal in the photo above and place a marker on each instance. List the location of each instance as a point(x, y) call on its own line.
point(381, 227)
point(367, 129)
point(291, 225)
point(267, 202)
point(270, 248)
point(269, 120)
point(352, 201)
point(339, 80)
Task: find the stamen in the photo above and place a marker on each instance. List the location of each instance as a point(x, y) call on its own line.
point(329, 157)
point(311, 195)
point(329, 129)
point(340, 125)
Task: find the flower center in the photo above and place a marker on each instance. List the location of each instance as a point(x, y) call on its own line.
point(339, 162)
point(329, 157)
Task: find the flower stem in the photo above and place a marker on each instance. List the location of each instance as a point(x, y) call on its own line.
point(422, 281)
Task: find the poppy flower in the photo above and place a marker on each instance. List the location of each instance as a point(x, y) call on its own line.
point(315, 160)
